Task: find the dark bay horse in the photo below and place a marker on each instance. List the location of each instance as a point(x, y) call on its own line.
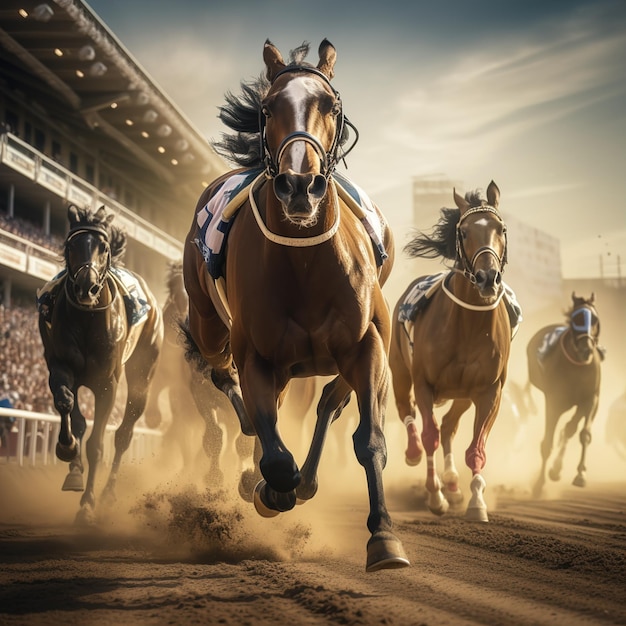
point(564, 363)
point(97, 321)
point(455, 344)
point(195, 405)
point(302, 281)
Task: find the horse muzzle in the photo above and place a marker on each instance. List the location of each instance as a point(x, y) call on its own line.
point(300, 195)
point(86, 288)
point(488, 282)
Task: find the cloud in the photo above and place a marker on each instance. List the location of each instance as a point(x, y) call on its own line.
point(502, 88)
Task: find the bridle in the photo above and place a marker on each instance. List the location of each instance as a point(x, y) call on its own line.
point(329, 158)
point(101, 272)
point(579, 332)
point(468, 264)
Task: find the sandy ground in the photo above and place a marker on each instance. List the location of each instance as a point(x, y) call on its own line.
point(175, 550)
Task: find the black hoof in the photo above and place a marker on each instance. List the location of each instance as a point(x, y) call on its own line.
point(281, 472)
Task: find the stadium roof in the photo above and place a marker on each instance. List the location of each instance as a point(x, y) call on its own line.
point(81, 65)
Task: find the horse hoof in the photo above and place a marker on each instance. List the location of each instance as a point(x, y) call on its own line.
point(475, 514)
point(73, 480)
point(437, 504)
point(384, 551)
point(453, 496)
point(554, 475)
point(67, 453)
point(259, 505)
point(412, 462)
point(86, 516)
point(579, 481)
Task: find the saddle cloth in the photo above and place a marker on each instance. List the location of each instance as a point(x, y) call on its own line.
point(215, 218)
point(419, 296)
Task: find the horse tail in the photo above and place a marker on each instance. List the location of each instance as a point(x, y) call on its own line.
point(193, 356)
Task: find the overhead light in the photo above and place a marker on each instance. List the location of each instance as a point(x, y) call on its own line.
point(114, 105)
point(142, 98)
point(87, 53)
point(43, 12)
point(58, 52)
point(188, 158)
point(80, 74)
point(164, 130)
point(145, 134)
point(161, 149)
point(23, 12)
point(98, 69)
point(174, 162)
point(129, 122)
point(150, 116)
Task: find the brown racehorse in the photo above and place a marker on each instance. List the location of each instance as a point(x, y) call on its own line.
point(456, 347)
point(303, 285)
point(97, 321)
point(564, 363)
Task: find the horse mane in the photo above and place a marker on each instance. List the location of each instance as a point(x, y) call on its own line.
point(441, 240)
point(115, 234)
point(241, 114)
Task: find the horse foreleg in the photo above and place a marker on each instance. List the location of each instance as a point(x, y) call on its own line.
point(449, 427)
point(405, 403)
point(568, 431)
point(552, 417)
point(585, 439)
point(437, 503)
point(335, 397)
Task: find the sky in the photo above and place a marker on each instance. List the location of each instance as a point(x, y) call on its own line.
point(529, 94)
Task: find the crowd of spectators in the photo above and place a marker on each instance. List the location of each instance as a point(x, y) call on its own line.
point(27, 230)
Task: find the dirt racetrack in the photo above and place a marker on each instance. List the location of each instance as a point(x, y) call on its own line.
point(175, 553)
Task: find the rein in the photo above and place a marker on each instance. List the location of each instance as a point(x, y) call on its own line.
point(293, 242)
point(569, 357)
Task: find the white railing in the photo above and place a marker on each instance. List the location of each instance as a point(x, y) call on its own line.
point(37, 434)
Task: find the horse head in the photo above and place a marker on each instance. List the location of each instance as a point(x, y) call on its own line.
point(481, 243)
point(301, 126)
point(87, 254)
point(584, 325)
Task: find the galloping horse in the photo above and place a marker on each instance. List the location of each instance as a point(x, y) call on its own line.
point(301, 283)
point(97, 320)
point(564, 363)
point(454, 343)
point(194, 402)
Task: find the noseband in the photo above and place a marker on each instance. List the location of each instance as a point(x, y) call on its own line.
point(468, 264)
point(328, 158)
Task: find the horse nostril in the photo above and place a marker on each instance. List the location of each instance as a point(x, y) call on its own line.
point(282, 186)
point(481, 277)
point(318, 187)
point(94, 290)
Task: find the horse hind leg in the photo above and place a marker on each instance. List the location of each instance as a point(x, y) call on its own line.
point(335, 397)
point(585, 440)
point(568, 431)
point(449, 427)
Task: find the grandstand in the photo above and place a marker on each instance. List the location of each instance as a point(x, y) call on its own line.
point(81, 122)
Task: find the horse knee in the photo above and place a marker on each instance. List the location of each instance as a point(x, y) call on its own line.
point(585, 436)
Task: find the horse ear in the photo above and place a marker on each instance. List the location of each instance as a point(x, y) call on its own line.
point(273, 60)
point(592, 298)
point(573, 296)
point(101, 214)
point(72, 214)
point(493, 195)
point(460, 201)
point(328, 56)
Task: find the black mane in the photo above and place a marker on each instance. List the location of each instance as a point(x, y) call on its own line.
point(441, 241)
point(115, 235)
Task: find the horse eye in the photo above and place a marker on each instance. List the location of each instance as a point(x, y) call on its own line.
point(463, 233)
point(265, 110)
point(103, 247)
point(336, 110)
